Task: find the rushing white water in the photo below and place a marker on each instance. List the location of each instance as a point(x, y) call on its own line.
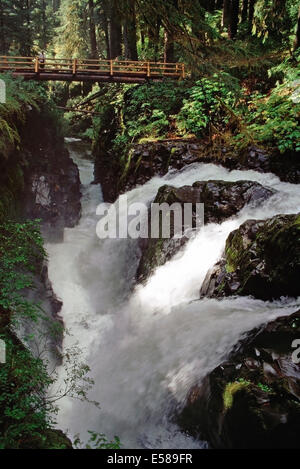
point(146, 347)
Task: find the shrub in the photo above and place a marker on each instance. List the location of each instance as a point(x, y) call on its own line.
point(273, 119)
point(206, 105)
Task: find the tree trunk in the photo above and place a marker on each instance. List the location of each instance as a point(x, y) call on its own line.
point(251, 13)
point(297, 38)
point(104, 24)
point(169, 53)
point(226, 13)
point(92, 31)
point(245, 10)
point(2, 33)
point(130, 39)
point(45, 28)
point(142, 35)
point(234, 19)
point(115, 31)
point(56, 5)
point(208, 5)
point(27, 44)
point(126, 41)
point(153, 35)
point(157, 39)
point(169, 49)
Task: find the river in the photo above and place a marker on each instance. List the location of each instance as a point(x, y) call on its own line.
point(146, 346)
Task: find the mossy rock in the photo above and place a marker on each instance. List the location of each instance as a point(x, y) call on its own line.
point(262, 259)
point(253, 399)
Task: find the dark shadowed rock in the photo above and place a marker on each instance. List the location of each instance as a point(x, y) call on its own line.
point(53, 193)
point(262, 259)
point(253, 399)
point(51, 183)
point(221, 200)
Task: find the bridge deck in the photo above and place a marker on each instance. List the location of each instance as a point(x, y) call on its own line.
point(90, 70)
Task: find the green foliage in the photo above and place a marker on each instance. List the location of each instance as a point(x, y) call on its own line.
point(98, 441)
point(72, 38)
point(273, 119)
point(231, 389)
point(236, 386)
point(152, 124)
point(166, 96)
point(129, 114)
point(148, 109)
point(215, 105)
point(27, 407)
point(205, 105)
point(27, 26)
point(276, 19)
point(23, 379)
point(25, 413)
point(21, 254)
point(265, 387)
point(29, 395)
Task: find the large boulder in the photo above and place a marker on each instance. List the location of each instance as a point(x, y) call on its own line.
point(221, 200)
point(262, 259)
point(253, 399)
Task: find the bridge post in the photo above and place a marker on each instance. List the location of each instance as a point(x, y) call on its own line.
point(37, 65)
point(183, 71)
point(148, 70)
point(111, 68)
point(74, 66)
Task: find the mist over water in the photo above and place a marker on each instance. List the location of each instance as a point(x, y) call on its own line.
point(146, 346)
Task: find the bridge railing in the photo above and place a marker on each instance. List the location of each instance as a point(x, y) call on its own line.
point(92, 66)
point(9, 63)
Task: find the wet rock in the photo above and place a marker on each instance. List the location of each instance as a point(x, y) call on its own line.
point(53, 195)
point(221, 200)
point(156, 158)
point(262, 259)
point(51, 189)
point(253, 399)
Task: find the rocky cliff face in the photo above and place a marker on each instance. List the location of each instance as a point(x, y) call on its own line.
point(262, 259)
point(221, 200)
point(40, 181)
point(51, 179)
point(253, 399)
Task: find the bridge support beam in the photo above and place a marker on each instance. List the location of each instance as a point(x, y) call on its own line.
point(84, 78)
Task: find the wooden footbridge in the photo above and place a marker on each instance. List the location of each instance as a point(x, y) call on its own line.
point(120, 71)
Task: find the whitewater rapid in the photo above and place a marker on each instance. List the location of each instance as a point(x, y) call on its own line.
point(146, 346)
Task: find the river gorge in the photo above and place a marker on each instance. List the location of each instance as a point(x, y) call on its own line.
point(149, 344)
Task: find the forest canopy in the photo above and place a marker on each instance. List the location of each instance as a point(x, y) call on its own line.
point(170, 30)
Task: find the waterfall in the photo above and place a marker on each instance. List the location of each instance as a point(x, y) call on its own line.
point(148, 345)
